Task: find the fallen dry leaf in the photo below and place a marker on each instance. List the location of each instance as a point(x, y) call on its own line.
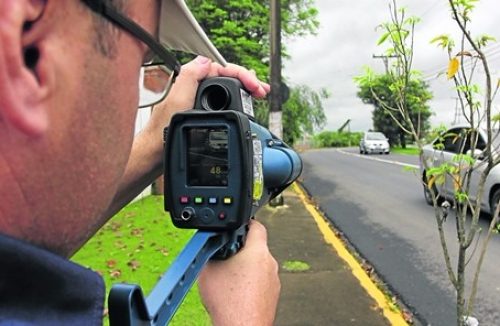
point(133, 264)
point(163, 251)
point(136, 232)
point(115, 273)
point(111, 263)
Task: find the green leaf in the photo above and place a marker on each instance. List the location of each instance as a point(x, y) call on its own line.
point(440, 179)
point(438, 146)
point(383, 38)
point(461, 197)
point(464, 158)
point(442, 41)
point(413, 20)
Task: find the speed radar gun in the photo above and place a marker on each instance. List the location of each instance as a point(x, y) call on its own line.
point(220, 168)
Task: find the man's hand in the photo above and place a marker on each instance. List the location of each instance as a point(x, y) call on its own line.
point(183, 92)
point(244, 289)
point(145, 161)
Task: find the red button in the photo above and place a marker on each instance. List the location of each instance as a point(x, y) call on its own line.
point(184, 199)
point(222, 216)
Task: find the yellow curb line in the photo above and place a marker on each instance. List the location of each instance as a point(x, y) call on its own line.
point(371, 288)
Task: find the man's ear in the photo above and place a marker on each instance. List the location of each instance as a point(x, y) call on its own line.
point(23, 88)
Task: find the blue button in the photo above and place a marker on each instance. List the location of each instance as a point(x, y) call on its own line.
point(212, 200)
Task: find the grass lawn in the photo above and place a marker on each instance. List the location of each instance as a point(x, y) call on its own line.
point(137, 246)
point(409, 150)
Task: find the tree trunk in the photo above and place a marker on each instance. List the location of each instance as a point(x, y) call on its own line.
point(402, 139)
point(461, 287)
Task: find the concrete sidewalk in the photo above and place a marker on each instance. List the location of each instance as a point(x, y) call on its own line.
point(332, 291)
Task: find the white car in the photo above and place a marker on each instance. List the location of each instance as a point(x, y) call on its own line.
point(374, 142)
point(445, 148)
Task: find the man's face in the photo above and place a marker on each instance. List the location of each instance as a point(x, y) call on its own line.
point(92, 111)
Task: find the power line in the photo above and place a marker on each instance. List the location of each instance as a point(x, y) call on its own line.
point(432, 6)
point(492, 54)
point(458, 113)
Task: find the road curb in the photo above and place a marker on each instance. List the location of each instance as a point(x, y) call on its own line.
point(389, 310)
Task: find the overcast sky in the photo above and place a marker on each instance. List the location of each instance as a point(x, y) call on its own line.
point(347, 40)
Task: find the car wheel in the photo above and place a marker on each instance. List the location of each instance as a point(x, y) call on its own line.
point(494, 200)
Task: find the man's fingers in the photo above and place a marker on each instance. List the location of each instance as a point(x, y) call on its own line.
point(266, 87)
point(247, 78)
point(201, 68)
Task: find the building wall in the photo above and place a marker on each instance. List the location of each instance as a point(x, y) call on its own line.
point(142, 118)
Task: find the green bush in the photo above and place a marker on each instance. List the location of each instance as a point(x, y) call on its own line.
point(337, 139)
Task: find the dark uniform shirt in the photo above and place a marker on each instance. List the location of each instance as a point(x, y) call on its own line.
point(40, 288)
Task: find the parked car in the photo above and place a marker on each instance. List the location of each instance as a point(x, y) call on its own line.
point(374, 142)
point(454, 141)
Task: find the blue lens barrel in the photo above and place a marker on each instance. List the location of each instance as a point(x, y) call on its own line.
point(281, 164)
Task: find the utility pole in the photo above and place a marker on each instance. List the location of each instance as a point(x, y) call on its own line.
point(275, 113)
point(385, 59)
point(458, 114)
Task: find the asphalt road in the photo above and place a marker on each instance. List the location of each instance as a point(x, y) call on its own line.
point(379, 207)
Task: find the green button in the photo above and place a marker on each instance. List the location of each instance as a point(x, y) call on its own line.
point(198, 200)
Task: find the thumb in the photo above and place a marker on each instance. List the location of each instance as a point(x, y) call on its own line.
point(197, 69)
point(257, 233)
